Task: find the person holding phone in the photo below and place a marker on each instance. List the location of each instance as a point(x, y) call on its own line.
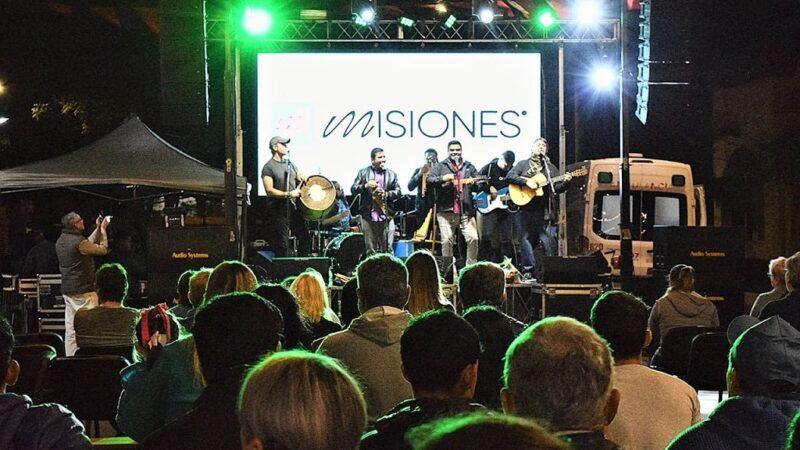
point(76, 263)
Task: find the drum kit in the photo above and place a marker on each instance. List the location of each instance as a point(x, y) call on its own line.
point(346, 249)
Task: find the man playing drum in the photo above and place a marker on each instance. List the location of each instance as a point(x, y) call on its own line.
point(281, 179)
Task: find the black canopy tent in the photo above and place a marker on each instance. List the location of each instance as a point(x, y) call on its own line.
point(131, 155)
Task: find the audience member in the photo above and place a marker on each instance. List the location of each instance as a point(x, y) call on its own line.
point(300, 400)
point(777, 278)
point(558, 373)
point(788, 307)
point(348, 304)
point(174, 384)
point(793, 438)
point(655, 407)
point(41, 258)
point(496, 336)
point(681, 306)
point(76, 263)
point(110, 324)
point(196, 294)
point(423, 279)
point(295, 331)
point(763, 377)
point(181, 303)
point(484, 283)
point(155, 329)
point(312, 295)
point(231, 332)
point(370, 346)
point(440, 353)
point(480, 431)
point(24, 425)
point(230, 276)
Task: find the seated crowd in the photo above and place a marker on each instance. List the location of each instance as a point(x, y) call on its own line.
point(238, 364)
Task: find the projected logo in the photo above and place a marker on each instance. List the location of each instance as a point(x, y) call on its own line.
point(397, 124)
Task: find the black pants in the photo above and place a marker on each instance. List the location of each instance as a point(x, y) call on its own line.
point(496, 236)
point(278, 236)
point(535, 230)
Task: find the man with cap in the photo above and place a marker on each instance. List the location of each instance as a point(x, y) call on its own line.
point(76, 264)
point(281, 179)
point(763, 376)
point(788, 307)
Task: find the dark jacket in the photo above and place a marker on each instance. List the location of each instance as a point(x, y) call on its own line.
point(212, 423)
point(364, 205)
point(787, 308)
point(389, 431)
point(588, 440)
point(41, 258)
point(523, 170)
point(497, 176)
point(741, 423)
point(415, 183)
point(24, 426)
point(445, 192)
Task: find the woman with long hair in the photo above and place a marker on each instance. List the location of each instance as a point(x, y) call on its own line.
point(681, 306)
point(426, 288)
point(228, 277)
point(312, 296)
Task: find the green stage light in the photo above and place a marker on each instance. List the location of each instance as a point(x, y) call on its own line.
point(546, 19)
point(256, 21)
point(406, 22)
point(450, 21)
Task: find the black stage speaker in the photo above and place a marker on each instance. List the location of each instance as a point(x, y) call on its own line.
point(279, 269)
point(571, 301)
point(171, 251)
point(717, 255)
point(574, 269)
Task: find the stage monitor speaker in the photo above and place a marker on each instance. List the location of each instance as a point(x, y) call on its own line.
point(574, 269)
point(278, 269)
point(171, 251)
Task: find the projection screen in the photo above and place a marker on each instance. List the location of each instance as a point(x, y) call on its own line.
point(336, 107)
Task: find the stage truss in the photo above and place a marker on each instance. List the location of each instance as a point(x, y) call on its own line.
point(424, 31)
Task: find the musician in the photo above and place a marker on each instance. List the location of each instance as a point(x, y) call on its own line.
point(496, 226)
point(281, 179)
point(337, 221)
point(377, 187)
point(537, 218)
point(453, 180)
point(424, 200)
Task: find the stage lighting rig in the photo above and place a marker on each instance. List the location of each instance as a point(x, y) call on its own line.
point(484, 10)
point(365, 12)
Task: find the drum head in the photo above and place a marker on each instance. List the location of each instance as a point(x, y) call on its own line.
point(317, 196)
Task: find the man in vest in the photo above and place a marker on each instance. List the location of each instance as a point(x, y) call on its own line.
point(76, 262)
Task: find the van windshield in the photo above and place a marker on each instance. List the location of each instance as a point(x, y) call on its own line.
point(648, 209)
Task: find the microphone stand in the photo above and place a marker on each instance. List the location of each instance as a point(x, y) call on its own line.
point(550, 201)
point(288, 200)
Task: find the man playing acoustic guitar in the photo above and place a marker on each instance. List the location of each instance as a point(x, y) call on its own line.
point(537, 217)
point(454, 179)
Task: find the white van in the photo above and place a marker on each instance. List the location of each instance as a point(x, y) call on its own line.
point(662, 193)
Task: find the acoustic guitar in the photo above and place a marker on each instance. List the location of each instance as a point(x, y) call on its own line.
point(522, 195)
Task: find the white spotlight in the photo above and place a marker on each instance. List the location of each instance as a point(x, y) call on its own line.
point(486, 14)
point(367, 14)
point(604, 78)
point(589, 12)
